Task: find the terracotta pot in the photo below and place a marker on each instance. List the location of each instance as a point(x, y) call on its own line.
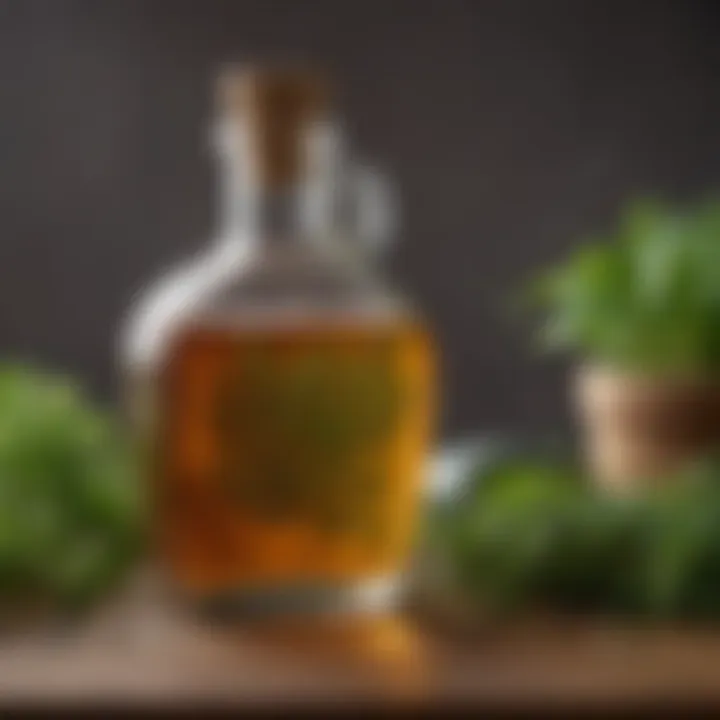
point(637, 428)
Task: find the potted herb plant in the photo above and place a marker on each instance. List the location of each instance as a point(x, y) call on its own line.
point(641, 311)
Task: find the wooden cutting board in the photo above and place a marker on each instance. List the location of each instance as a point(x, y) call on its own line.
point(146, 652)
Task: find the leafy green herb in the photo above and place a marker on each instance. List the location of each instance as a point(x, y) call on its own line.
point(531, 535)
point(70, 506)
point(647, 297)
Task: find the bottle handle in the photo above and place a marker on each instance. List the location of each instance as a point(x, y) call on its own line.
point(376, 213)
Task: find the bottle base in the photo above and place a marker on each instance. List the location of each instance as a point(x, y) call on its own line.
point(383, 593)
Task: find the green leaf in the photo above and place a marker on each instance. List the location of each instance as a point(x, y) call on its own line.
point(71, 509)
point(530, 533)
point(647, 298)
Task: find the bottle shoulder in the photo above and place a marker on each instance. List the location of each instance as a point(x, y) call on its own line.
point(231, 284)
point(167, 299)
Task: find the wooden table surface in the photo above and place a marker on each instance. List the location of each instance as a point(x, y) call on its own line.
point(143, 651)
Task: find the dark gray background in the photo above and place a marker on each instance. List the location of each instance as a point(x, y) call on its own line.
point(511, 127)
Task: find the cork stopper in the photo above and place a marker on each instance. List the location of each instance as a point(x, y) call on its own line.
point(276, 106)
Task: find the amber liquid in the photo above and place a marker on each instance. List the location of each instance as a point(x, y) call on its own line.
point(292, 455)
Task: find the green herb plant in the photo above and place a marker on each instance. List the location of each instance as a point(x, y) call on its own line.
point(532, 535)
point(70, 504)
point(645, 298)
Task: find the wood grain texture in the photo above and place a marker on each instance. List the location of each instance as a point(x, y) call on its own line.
point(145, 651)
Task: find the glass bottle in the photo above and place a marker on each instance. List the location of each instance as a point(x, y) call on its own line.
point(285, 395)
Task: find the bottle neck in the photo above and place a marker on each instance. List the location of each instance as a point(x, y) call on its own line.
point(257, 215)
point(253, 214)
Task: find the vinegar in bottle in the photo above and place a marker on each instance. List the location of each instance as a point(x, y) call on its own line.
point(284, 395)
